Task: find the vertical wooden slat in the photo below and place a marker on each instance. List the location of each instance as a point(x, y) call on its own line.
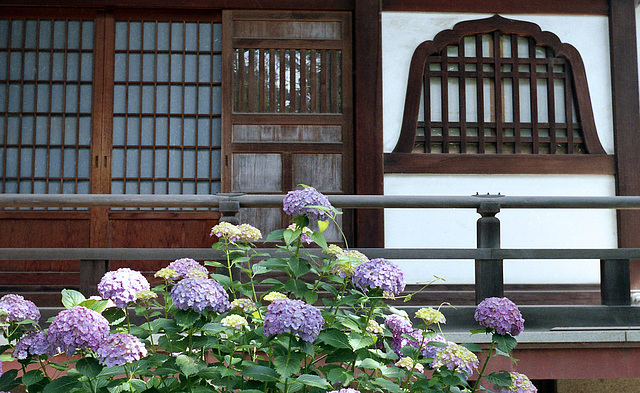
point(155, 104)
point(499, 110)
point(551, 103)
point(568, 107)
point(293, 65)
point(272, 81)
point(462, 96)
point(261, 81)
point(426, 93)
point(533, 94)
point(313, 83)
point(19, 143)
point(517, 146)
point(251, 76)
point(324, 99)
point(335, 84)
point(283, 84)
point(480, 93)
point(183, 87)
point(303, 81)
point(444, 94)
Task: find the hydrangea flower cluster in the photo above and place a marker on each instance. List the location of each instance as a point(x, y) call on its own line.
point(346, 260)
point(200, 294)
point(501, 315)
point(379, 273)
point(271, 296)
point(249, 233)
point(520, 383)
point(295, 316)
point(244, 304)
point(304, 236)
point(455, 357)
point(408, 364)
point(430, 316)
point(183, 266)
point(234, 321)
point(401, 328)
point(296, 202)
point(167, 274)
point(18, 309)
point(374, 327)
point(122, 285)
point(34, 343)
point(120, 348)
point(398, 324)
point(225, 230)
point(78, 328)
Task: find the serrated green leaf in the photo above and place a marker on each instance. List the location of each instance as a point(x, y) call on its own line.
point(298, 287)
point(32, 377)
point(410, 351)
point(319, 239)
point(261, 373)
point(342, 355)
point(222, 279)
point(299, 266)
point(186, 318)
point(311, 297)
point(472, 347)
point(138, 384)
point(501, 378)
point(71, 298)
point(288, 364)
point(274, 236)
point(89, 367)
point(358, 341)
point(290, 236)
point(114, 315)
point(335, 338)
point(62, 385)
point(313, 380)
point(188, 365)
point(340, 375)
point(215, 264)
point(505, 343)
point(387, 385)
point(369, 363)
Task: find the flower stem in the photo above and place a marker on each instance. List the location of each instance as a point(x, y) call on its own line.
point(484, 367)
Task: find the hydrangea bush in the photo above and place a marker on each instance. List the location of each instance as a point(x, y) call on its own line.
point(205, 328)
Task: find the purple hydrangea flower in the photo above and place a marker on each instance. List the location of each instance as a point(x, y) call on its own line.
point(34, 343)
point(455, 357)
point(120, 348)
point(418, 340)
point(520, 383)
point(500, 314)
point(19, 309)
point(379, 273)
point(295, 316)
point(122, 285)
point(200, 293)
point(398, 324)
point(77, 328)
point(183, 266)
point(296, 202)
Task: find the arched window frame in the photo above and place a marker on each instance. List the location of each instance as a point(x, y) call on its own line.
point(404, 160)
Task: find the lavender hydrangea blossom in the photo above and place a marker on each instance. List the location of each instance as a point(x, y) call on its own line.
point(520, 383)
point(398, 324)
point(294, 316)
point(122, 285)
point(500, 314)
point(18, 309)
point(77, 328)
point(34, 343)
point(120, 348)
point(455, 357)
point(379, 273)
point(417, 340)
point(199, 293)
point(183, 266)
point(296, 202)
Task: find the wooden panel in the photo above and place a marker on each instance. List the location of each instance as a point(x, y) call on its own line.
point(192, 4)
point(581, 7)
point(499, 164)
point(251, 28)
point(324, 171)
point(286, 133)
point(257, 173)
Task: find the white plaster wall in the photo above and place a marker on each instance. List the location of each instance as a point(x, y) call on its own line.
point(401, 33)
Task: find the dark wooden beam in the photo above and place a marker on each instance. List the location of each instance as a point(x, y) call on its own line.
point(626, 119)
point(191, 4)
point(581, 7)
point(368, 119)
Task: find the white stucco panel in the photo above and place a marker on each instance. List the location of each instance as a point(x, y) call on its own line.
point(402, 32)
point(539, 228)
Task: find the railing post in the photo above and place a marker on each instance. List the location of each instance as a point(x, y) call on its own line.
point(489, 274)
point(91, 272)
point(615, 282)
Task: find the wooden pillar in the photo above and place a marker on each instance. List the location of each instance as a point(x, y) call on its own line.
point(369, 170)
point(626, 120)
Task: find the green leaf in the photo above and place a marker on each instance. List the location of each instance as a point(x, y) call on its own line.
point(288, 364)
point(275, 236)
point(319, 239)
point(298, 287)
point(114, 315)
point(62, 385)
point(501, 378)
point(387, 385)
point(186, 318)
point(342, 355)
point(358, 341)
point(202, 389)
point(188, 365)
point(138, 384)
point(94, 304)
point(505, 343)
point(340, 375)
point(334, 338)
point(215, 264)
point(369, 363)
point(58, 366)
point(298, 266)
point(291, 236)
point(311, 297)
point(323, 225)
point(261, 373)
point(313, 380)
point(472, 347)
point(410, 351)
point(32, 377)
point(89, 367)
point(72, 298)
point(222, 279)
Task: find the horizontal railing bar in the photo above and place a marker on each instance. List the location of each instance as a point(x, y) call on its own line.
point(341, 201)
point(388, 253)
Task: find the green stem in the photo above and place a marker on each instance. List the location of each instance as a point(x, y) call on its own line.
point(484, 367)
point(229, 268)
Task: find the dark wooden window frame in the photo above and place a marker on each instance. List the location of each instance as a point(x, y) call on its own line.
point(402, 160)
